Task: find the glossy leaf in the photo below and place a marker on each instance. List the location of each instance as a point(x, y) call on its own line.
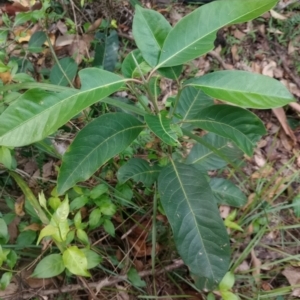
point(75, 261)
point(234, 123)
point(194, 34)
point(106, 51)
point(95, 144)
point(227, 193)
point(205, 159)
point(171, 72)
point(39, 113)
point(244, 89)
point(139, 170)
point(50, 266)
point(190, 103)
point(160, 125)
point(198, 229)
point(149, 29)
point(69, 66)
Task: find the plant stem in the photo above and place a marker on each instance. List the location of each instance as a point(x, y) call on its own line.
point(176, 102)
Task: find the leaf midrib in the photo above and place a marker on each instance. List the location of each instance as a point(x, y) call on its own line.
point(204, 36)
point(192, 212)
point(104, 141)
point(58, 103)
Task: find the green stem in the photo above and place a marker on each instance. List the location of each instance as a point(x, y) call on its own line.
point(153, 250)
point(32, 85)
point(176, 102)
point(57, 61)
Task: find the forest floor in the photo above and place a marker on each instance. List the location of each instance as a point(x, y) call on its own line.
point(265, 252)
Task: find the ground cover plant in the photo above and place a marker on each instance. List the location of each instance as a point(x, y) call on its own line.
point(176, 178)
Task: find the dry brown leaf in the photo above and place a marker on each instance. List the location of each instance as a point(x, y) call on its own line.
point(256, 67)
point(234, 53)
point(11, 289)
point(243, 267)
point(274, 30)
point(291, 47)
point(5, 77)
point(268, 69)
point(13, 229)
point(19, 206)
point(224, 211)
point(259, 160)
point(64, 40)
point(239, 34)
point(277, 15)
point(264, 172)
point(79, 48)
point(281, 116)
point(25, 3)
point(256, 263)
point(95, 25)
point(33, 227)
point(293, 276)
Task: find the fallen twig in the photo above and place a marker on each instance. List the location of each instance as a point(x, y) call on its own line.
point(100, 284)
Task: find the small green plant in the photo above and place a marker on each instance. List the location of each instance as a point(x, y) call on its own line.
point(188, 197)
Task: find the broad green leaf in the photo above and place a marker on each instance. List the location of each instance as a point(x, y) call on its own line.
point(135, 278)
point(37, 113)
point(98, 190)
point(36, 41)
point(244, 89)
point(3, 231)
point(198, 229)
point(227, 193)
point(106, 51)
point(5, 280)
point(191, 101)
point(171, 72)
point(50, 266)
point(69, 66)
point(205, 159)
point(78, 202)
point(237, 124)
point(134, 65)
point(139, 170)
point(75, 261)
point(48, 230)
point(95, 144)
point(160, 125)
point(150, 29)
point(109, 227)
point(92, 257)
point(82, 236)
point(227, 295)
point(26, 238)
point(5, 157)
point(194, 34)
point(62, 212)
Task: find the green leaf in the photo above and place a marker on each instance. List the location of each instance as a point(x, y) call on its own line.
point(3, 230)
point(134, 65)
point(78, 202)
point(12, 258)
point(95, 218)
point(48, 230)
point(109, 227)
point(98, 190)
point(244, 89)
point(227, 281)
point(26, 238)
point(93, 147)
point(205, 159)
point(135, 278)
point(227, 193)
point(69, 66)
point(296, 206)
point(106, 51)
point(150, 29)
point(5, 157)
point(62, 212)
point(171, 72)
point(160, 125)
point(198, 229)
point(194, 34)
point(227, 295)
point(5, 280)
point(37, 113)
point(82, 236)
point(75, 261)
point(191, 102)
point(92, 257)
point(138, 170)
point(237, 124)
point(50, 266)
point(36, 41)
